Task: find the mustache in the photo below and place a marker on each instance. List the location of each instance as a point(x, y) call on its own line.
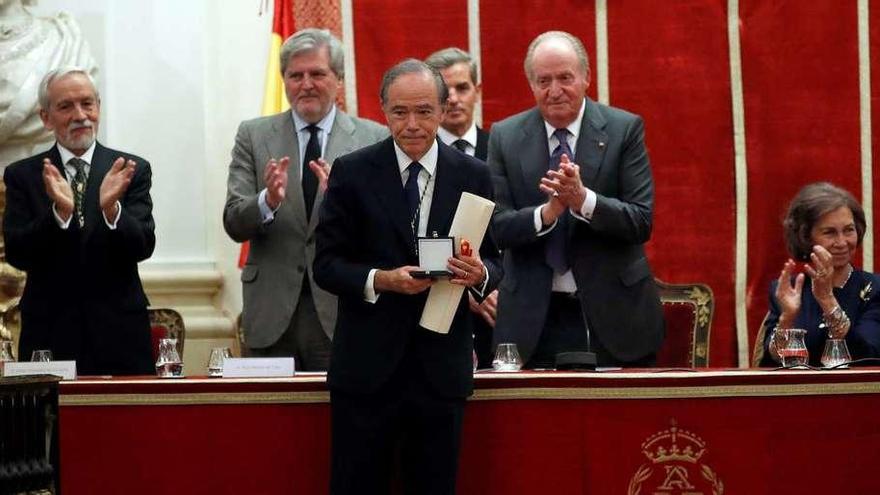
point(85, 124)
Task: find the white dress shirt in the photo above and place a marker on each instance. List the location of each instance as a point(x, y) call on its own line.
point(469, 137)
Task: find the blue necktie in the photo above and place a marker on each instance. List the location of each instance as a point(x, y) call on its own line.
point(556, 247)
point(413, 198)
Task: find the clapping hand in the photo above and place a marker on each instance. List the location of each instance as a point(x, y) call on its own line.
point(275, 178)
point(58, 189)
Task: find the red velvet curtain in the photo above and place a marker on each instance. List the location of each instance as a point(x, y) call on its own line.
point(670, 63)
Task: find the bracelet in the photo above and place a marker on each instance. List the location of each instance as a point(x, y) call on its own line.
point(836, 321)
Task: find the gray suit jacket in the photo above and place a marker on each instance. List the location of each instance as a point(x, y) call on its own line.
point(617, 292)
point(282, 251)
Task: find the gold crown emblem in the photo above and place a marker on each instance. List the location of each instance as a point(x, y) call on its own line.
point(673, 444)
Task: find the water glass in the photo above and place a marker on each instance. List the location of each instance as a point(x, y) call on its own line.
point(836, 354)
point(218, 357)
point(507, 358)
point(41, 356)
point(791, 347)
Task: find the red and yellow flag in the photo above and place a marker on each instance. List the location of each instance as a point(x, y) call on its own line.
point(274, 99)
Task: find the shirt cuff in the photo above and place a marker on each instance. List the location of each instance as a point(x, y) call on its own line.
point(112, 225)
point(370, 295)
point(540, 223)
point(587, 209)
point(61, 223)
point(267, 214)
point(481, 291)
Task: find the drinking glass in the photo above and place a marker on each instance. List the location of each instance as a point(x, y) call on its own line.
point(41, 355)
point(217, 359)
point(791, 347)
point(169, 364)
point(507, 358)
point(835, 354)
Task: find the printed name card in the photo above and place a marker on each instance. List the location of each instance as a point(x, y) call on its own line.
point(65, 369)
point(257, 367)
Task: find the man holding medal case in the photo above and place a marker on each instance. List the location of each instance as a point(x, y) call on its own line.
point(396, 387)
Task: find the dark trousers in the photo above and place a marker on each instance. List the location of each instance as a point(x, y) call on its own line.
point(406, 421)
point(304, 338)
point(565, 330)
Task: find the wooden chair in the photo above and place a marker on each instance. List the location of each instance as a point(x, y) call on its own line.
point(166, 323)
point(687, 309)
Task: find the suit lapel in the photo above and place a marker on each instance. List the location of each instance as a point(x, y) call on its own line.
point(591, 144)
point(284, 142)
point(482, 150)
point(387, 186)
point(446, 191)
point(101, 163)
point(535, 156)
point(340, 142)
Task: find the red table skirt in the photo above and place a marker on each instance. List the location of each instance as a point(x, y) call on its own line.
point(712, 432)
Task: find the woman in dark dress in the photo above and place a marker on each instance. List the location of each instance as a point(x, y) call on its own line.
point(830, 299)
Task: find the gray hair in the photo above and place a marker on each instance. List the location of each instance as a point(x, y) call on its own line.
point(572, 40)
point(60, 73)
point(413, 66)
point(307, 40)
point(447, 57)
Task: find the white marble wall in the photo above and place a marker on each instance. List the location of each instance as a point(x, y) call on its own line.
point(176, 78)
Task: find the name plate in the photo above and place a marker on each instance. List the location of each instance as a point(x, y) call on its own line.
point(65, 369)
point(257, 367)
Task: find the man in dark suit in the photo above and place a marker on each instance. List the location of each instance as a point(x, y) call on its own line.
point(575, 197)
point(78, 220)
point(393, 383)
point(273, 200)
point(460, 130)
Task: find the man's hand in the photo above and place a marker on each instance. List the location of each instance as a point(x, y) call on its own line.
point(321, 169)
point(58, 189)
point(275, 178)
point(399, 280)
point(467, 270)
point(565, 184)
point(114, 185)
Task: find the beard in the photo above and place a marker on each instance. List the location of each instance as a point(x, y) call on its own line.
point(81, 142)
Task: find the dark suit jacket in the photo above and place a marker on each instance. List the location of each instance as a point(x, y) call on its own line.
point(615, 286)
point(364, 225)
point(83, 297)
point(482, 150)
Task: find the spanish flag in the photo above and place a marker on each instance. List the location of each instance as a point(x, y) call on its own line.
point(274, 99)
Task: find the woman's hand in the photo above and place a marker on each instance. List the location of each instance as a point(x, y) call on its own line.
point(821, 271)
point(788, 294)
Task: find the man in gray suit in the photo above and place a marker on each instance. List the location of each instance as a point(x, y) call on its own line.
point(273, 201)
point(575, 198)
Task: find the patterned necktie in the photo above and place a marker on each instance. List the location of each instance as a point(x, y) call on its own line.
point(461, 144)
point(79, 188)
point(413, 198)
point(556, 247)
point(309, 181)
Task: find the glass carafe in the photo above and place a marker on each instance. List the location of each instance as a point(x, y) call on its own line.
point(793, 350)
point(169, 364)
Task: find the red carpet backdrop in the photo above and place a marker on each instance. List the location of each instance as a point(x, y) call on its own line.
point(745, 101)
